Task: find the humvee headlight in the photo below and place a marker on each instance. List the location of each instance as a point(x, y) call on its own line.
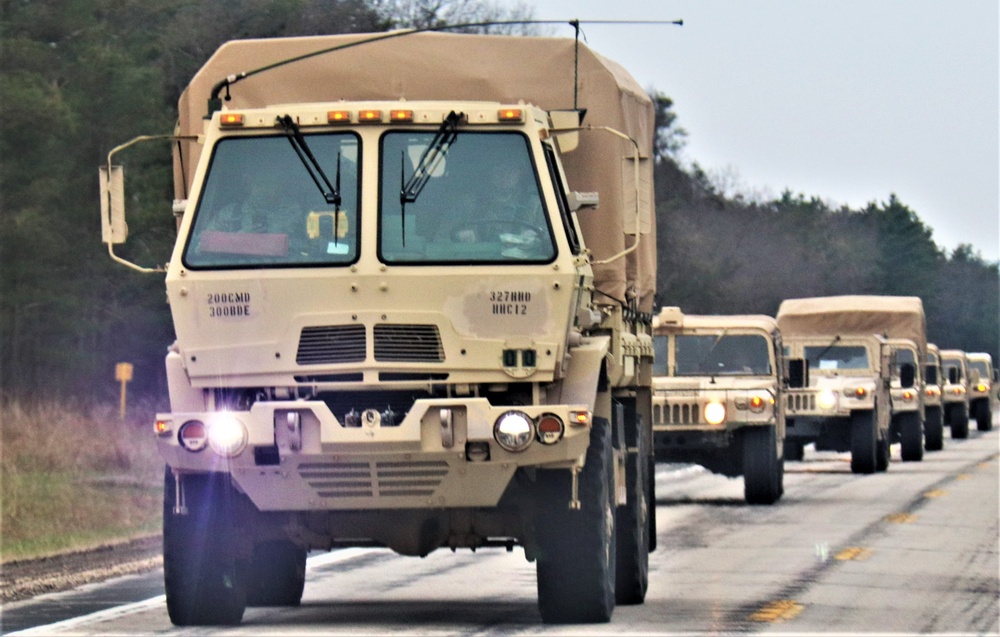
point(227, 435)
point(958, 391)
point(907, 395)
point(192, 435)
point(857, 392)
point(932, 392)
point(982, 387)
point(550, 429)
point(826, 399)
point(514, 431)
point(757, 404)
point(715, 413)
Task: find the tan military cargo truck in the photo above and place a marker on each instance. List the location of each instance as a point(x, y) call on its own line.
point(841, 372)
point(982, 397)
point(717, 388)
point(933, 405)
point(956, 392)
point(412, 292)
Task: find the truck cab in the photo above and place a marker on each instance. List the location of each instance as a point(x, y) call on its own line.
point(717, 397)
point(933, 405)
point(955, 393)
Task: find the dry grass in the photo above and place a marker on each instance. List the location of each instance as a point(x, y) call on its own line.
point(73, 476)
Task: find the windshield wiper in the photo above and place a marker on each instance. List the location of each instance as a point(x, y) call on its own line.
point(429, 160)
point(815, 359)
point(331, 194)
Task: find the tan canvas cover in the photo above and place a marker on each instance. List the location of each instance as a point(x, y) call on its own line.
point(441, 66)
point(859, 315)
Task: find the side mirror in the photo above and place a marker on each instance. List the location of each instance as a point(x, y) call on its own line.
point(113, 226)
point(578, 200)
point(907, 374)
point(930, 375)
point(798, 373)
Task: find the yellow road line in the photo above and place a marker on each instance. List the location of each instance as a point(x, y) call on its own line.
point(936, 493)
point(900, 518)
point(962, 476)
point(855, 553)
point(777, 611)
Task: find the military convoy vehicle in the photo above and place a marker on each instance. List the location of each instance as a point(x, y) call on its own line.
point(982, 397)
point(933, 406)
point(412, 293)
point(956, 392)
point(842, 371)
point(717, 388)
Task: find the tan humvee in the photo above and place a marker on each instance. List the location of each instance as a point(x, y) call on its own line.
point(842, 370)
point(717, 397)
point(393, 328)
point(955, 393)
point(982, 397)
point(933, 405)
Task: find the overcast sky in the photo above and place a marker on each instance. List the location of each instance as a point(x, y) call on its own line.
point(847, 100)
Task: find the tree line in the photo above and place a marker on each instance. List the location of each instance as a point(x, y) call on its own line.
point(81, 76)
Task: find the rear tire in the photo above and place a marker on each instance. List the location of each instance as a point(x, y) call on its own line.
point(883, 451)
point(958, 420)
point(763, 469)
point(911, 437)
point(864, 441)
point(576, 562)
point(632, 525)
point(203, 575)
point(277, 574)
point(934, 429)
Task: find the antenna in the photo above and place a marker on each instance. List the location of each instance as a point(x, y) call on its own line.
point(215, 102)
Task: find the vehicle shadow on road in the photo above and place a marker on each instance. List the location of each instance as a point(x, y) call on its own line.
point(400, 614)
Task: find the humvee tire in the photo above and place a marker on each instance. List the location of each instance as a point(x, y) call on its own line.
point(794, 450)
point(883, 450)
point(202, 575)
point(632, 524)
point(576, 562)
point(958, 420)
point(984, 416)
point(763, 470)
point(911, 437)
point(864, 441)
point(934, 429)
point(277, 574)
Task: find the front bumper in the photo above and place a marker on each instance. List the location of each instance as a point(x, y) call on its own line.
point(299, 457)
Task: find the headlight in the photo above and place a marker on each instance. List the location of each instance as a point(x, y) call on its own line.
point(826, 399)
point(982, 388)
point(715, 413)
point(227, 435)
point(514, 431)
point(757, 404)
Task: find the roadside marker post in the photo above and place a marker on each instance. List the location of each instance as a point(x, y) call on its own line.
point(123, 374)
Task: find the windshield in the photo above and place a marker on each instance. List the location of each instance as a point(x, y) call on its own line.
point(949, 364)
point(981, 367)
point(480, 204)
point(837, 357)
point(720, 354)
point(260, 207)
point(660, 355)
point(904, 356)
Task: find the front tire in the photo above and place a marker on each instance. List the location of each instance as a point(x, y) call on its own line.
point(934, 429)
point(958, 420)
point(763, 469)
point(864, 442)
point(277, 574)
point(576, 562)
point(911, 437)
point(203, 574)
point(984, 416)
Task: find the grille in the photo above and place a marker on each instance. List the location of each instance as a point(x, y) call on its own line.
point(802, 402)
point(331, 344)
point(677, 414)
point(375, 479)
point(408, 344)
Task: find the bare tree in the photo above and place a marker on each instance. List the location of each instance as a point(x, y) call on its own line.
point(424, 14)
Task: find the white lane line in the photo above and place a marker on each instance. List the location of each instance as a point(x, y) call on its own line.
point(160, 601)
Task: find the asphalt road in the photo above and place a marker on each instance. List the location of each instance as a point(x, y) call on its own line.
point(913, 550)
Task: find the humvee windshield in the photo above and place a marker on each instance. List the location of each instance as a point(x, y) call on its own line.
point(259, 206)
point(981, 366)
point(837, 357)
point(720, 354)
point(904, 356)
point(481, 203)
point(952, 363)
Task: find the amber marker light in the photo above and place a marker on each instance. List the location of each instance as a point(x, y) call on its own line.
point(162, 427)
point(370, 116)
point(338, 117)
point(231, 119)
point(579, 418)
point(907, 395)
point(400, 116)
point(860, 392)
point(510, 115)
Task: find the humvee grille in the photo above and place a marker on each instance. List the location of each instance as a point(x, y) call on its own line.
point(408, 343)
point(331, 344)
point(373, 479)
point(802, 402)
point(677, 414)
